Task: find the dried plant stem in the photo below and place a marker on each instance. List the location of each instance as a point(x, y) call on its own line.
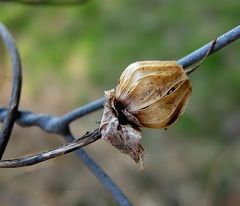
point(86, 139)
point(46, 3)
point(192, 68)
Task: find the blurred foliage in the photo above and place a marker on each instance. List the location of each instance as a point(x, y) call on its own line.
point(71, 55)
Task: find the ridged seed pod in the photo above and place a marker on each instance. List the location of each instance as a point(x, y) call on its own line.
point(149, 94)
point(155, 92)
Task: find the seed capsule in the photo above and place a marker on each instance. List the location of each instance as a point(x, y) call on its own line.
point(149, 94)
point(155, 92)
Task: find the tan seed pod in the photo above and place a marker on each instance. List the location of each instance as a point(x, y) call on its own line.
point(149, 94)
point(155, 92)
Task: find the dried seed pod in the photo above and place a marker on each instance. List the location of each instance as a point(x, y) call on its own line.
point(149, 94)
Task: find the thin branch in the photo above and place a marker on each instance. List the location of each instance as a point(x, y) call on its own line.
point(11, 113)
point(46, 2)
point(86, 139)
point(192, 68)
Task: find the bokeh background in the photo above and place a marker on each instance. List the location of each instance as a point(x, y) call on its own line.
point(72, 54)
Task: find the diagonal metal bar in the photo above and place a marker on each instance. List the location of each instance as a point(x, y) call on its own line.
point(83, 110)
point(104, 178)
point(118, 195)
point(10, 115)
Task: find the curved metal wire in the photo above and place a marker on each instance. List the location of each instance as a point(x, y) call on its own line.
point(10, 115)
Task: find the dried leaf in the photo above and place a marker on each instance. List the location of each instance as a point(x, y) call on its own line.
point(124, 137)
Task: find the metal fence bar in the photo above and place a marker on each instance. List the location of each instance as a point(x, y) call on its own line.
point(119, 196)
point(98, 172)
point(221, 41)
point(83, 110)
point(10, 115)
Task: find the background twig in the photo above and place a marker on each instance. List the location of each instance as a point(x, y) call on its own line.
point(46, 2)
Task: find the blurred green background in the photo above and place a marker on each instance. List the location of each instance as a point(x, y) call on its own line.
point(70, 55)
